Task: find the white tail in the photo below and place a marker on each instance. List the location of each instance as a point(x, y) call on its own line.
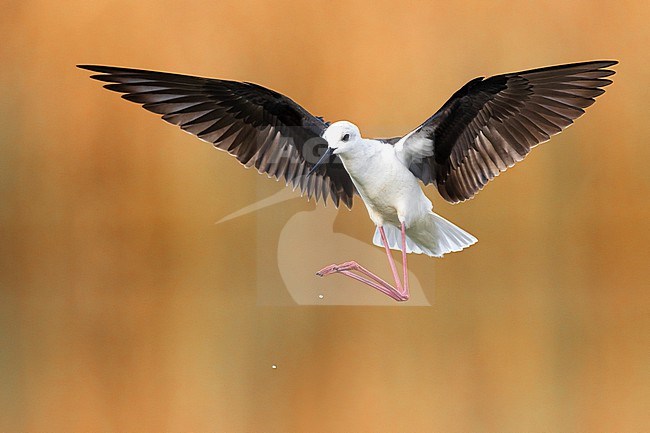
point(433, 236)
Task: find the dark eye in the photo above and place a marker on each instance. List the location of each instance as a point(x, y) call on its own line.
point(346, 137)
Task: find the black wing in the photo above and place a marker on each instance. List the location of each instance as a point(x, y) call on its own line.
point(490, 124)
point(256, 125)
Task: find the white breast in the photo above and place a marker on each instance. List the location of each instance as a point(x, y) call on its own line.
point(389, 190)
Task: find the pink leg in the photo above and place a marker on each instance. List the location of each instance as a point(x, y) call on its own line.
point(350, 266)
point(391, 261)
point(401, 293)
point(404, 265)
point(373, 280)
point(383, 288)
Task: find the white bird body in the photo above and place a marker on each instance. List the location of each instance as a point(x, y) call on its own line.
point(388, 189)
point(393, 195)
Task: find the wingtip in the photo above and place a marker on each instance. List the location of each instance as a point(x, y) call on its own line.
point(88, 67)
point(599, 64)
point(103, 69)
point(608, 64)
point(99, 69)
point(603, 65)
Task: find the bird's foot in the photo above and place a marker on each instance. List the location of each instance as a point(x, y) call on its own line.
point(368, 278)
point(333, 269)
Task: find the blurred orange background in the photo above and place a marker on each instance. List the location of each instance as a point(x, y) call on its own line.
point(124, 308)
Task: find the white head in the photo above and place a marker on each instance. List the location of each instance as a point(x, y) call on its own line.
point(341, 136)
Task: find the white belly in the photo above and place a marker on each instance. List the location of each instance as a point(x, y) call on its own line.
point(389, 190)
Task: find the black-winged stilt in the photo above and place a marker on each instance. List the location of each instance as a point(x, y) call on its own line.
point(484, 128)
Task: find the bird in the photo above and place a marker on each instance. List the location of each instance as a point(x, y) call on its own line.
point(484, 128)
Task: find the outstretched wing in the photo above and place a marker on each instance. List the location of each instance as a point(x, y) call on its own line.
point(258, 126)
point(490, 124)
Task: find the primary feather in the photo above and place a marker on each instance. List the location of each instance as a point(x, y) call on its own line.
point(258, 126)
point(490, 124)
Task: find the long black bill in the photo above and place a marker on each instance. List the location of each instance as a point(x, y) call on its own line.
point(322, 159)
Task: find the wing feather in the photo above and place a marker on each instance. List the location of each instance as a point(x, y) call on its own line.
point(258, 126)
point(491, 124)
